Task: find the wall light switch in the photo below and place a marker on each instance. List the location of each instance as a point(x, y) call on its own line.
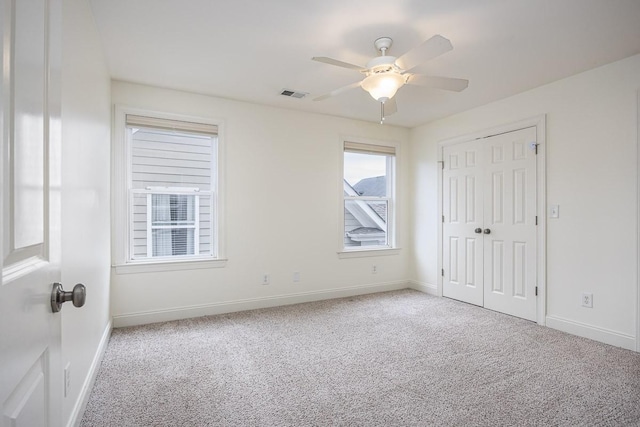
point(554, 211)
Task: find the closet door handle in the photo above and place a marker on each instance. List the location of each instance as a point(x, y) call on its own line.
point(478, 230)
point(487, 231)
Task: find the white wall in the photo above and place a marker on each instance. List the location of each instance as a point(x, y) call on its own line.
point(591, 159)
point(283, 189)
point(86, 125)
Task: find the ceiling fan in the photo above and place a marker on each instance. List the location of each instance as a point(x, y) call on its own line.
point(386, 74)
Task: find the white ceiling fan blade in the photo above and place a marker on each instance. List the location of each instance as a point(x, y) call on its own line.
point(338, 91)
point(435, 46)
point(446, 83)
point(390, 107)
point(335, 62)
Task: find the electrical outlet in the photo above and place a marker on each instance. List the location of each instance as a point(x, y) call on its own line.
point(67, 379)
point(265, 279)
point(554, 211)
point(296, 276)
point(587, 299)
point(374, 269)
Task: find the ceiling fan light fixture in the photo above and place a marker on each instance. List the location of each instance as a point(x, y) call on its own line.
point(383, 86)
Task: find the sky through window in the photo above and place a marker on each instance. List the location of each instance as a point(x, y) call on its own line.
point(358, 166)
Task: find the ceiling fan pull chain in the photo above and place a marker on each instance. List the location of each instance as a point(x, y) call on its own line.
point(381, 112)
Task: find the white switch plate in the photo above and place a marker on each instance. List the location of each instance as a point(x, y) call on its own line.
point(554, 211)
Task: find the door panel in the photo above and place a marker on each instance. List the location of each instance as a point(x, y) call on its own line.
point(510, 215)
point(497, 200)
point(29, 61)
point(30, 374)
point(497, 266)
point(462, 215)
point(26, 407)
point(490, 184)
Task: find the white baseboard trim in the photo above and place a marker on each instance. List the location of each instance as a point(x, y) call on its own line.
point(427, 288)
point(143, 318)
point(606, 336)
point(90, 379)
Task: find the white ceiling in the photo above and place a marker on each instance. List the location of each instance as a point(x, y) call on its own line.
point(252, 49)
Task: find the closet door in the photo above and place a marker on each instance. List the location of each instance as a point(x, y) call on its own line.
point(489, 224)
point(462, 208)
point(510, 219)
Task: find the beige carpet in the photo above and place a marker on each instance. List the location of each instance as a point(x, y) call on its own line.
point(389, 359)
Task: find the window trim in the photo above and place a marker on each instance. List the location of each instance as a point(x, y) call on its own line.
point(392, 247)
point(121, 207)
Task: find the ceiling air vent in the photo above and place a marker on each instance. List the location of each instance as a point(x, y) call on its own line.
point(293, 93)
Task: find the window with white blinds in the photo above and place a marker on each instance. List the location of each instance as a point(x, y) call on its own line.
point(172, 184)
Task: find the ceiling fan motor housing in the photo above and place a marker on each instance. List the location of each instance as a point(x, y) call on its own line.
point(382, 64)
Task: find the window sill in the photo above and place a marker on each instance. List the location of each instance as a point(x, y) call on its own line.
point(157, 266)
point(361, 253)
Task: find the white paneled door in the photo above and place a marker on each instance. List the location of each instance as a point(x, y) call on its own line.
point(489, 224)
point(463, 217)
point(30, 375)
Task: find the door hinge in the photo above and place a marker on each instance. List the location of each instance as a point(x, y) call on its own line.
point(442, 218)
point(534, 145)
point(536, 291)
point(536, 219)
point(442, 272)
point(441, 164)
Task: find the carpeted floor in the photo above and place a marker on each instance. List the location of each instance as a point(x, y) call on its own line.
point(388, 359)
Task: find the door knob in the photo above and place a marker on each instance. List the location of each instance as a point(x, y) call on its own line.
point(487, 231)
point(478, 230)
point(60, 296)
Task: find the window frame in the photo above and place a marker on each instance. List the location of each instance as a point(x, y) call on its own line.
point(391, 248)
point(122, 251)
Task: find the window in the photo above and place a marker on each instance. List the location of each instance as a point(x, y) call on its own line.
point(369, 191)
point(170, 195)
point(174, 226)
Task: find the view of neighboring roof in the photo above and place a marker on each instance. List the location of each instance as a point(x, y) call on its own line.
point(365, 230)
point(375, 186)
point(367, 236)
point(371, 216)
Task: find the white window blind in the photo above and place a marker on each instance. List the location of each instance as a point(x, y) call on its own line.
point(167, 124)
point(359, 147)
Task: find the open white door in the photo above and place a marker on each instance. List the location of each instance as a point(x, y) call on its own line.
point(30, 373)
